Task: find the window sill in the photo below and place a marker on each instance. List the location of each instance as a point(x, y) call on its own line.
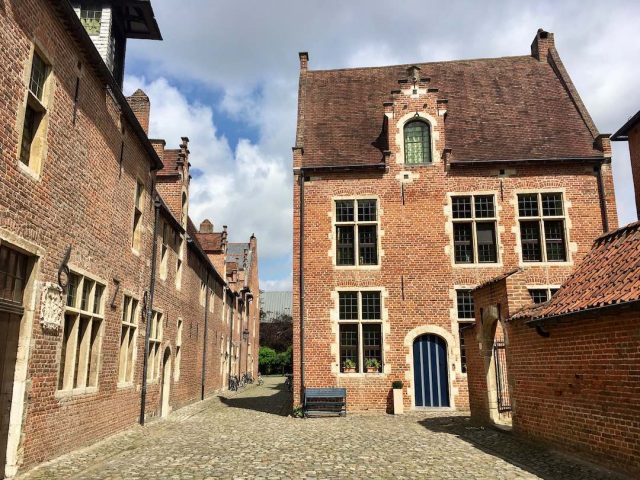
point(357, 267)
point(28, 171)
point(477, 265)
point(362, 375)
point(61, 394)
point(417, 165)
point(546, 264)
point(125, 386)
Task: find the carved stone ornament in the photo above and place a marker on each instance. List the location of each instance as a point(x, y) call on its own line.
point(52, 307)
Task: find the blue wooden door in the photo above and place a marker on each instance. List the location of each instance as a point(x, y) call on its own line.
point(430, 373)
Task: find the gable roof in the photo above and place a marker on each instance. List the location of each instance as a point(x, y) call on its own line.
point(509, 108)
point(609, 275)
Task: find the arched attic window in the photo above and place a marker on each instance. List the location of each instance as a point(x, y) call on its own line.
point(417, 142)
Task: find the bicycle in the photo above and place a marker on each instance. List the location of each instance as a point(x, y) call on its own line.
point(289, 382)
point(233, 383)
point(260, 380)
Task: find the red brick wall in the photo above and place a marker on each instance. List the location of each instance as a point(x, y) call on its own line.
point(84, 198)
point(579, 387)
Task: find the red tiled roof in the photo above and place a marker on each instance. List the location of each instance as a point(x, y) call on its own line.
point(510, 108)
point(608, 275)
point(496, 279)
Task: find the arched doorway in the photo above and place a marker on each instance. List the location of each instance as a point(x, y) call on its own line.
point(166, 383)
point(430, 372)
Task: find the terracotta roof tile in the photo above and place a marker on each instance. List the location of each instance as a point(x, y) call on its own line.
point(510, 108)
point(608, 275)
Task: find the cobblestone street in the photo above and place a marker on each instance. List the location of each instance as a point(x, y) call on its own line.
point(248, 436)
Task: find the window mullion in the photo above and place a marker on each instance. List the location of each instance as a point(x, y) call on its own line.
point(361, 368)
point(356, 244)
point(543, 240)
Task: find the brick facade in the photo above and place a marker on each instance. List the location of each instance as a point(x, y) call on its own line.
point(350, 145)
point(575, 389)
point(82, 196)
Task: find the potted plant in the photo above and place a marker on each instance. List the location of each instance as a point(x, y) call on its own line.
point(349, 366)
point(372, 365)
point(398, 403)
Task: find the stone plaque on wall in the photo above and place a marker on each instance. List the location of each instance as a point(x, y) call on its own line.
point(51, 307)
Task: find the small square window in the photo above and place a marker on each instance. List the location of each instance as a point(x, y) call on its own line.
point(528, 205)
point(348, 305)
point(461, 207)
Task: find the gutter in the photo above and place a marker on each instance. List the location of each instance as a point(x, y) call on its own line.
point(556, 318)
point(594, 158)
point(149, 308)
point(204, 346)
point(301, 279)
point(340, 168)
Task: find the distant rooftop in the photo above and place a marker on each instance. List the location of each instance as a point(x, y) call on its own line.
point(274, 305)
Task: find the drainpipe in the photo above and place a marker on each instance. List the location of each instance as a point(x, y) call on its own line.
point(301, 280)
point(240, 341)
point(204, 346)
point(603, 202)
point(230, 342)
point(149, 307)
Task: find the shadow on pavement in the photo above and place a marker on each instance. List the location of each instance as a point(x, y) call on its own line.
point(272, 397)
point(534, 458)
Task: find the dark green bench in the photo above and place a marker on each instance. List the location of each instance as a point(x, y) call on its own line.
point(325, 401)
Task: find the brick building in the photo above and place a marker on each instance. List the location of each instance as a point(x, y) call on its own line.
point(413, 184)
point(97, 251)
point(567, 373)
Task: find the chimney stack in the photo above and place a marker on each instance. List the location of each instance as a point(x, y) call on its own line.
point(206, 226)
point(141, 106)
point(304, 60)
point(541, 44)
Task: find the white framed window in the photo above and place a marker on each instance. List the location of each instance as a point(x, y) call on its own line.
point(128, 335)
point(176, 374)
point(360, 331)
point(91, 19)
point(82, 334)
point(466, 316)
point(542, 294)
point(33, 135)
point(474, 229)
point(136, 242)
point(356, 227)
point(155, 342)
point(542, 222)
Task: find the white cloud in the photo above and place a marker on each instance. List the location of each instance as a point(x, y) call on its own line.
point(275, 285)
point(248, 52)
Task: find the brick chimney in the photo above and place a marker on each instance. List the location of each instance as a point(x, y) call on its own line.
point(141, 106)
point(304, 60)
point(158, 146)
point(541, 44)
point(206, 226)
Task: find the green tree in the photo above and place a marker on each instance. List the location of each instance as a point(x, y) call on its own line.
point(267, 360)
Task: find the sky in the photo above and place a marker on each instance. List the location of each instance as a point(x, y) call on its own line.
point(226, 76)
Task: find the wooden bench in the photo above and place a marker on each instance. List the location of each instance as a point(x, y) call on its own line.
point(325, 401)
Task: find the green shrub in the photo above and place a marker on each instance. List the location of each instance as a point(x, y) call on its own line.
point(397, 384)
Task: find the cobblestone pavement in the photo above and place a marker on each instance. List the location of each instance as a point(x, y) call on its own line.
point(247, 435)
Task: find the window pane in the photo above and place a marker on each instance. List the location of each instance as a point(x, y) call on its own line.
point(97, 301)
point(465, 304)
point(371, 306)
point(29, 129)
point(368, 244)
point(345, 254)
point(349, 345)
point(530, 236)
point(461, 207)
point(348, 305)
point(552, 204)
point(38, 76)
point(528, 205)
point(86, 290)
point(13, 274)
point(72, 289)
point(463, 243)
point(553, 291)
point(372, 343)
point(90, 19)
point(417, 142)
point(538, 295)
point(484, 206)
point(344, 211)
point(463, 351)
point(554, 239)
point(367, 211)
point(486, 237)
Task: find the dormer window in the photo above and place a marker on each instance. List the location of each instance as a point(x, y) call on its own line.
point(91, 18)
point(417, 142)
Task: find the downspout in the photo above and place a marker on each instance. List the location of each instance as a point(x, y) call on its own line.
point(301, 280)
point(240, 341)
point(149, 307)
point(204, 346)
point(603, 202)
point(230, 342)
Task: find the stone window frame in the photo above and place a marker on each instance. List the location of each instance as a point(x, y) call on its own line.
point(456, 323)
point(334, 316)
point(127, 355)
point(156, 333)
point(178, 350)
point(165, 240)
point(179, 260)
point(547, 288)
point(571, 247)
point(138, 215)
point(87, 354)
point(42, 106)
point(450, 248)
point(333, 236)
point(91, 16)
point(474, 220)
point(435, 136)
